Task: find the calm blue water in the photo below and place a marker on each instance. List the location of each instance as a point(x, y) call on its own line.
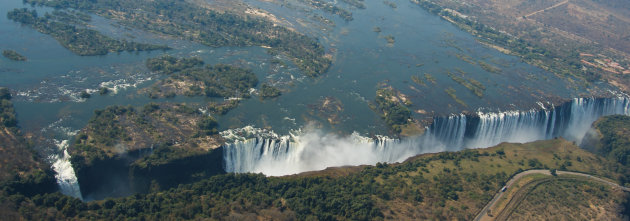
point(46, 86)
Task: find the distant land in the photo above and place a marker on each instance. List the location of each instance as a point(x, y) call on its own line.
point(315, 110)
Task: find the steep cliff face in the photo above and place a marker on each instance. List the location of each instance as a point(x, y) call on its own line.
point(610, 137)
point(123, 150)
point(21, 171)
point(251, 150)
point(147, 175)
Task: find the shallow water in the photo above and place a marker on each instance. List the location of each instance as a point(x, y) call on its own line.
point(46, 87)
point(364, 61)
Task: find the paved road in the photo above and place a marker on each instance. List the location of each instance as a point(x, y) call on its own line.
point(483, 213)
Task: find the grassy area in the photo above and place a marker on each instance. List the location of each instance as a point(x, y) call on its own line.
point(416, 79)
point(451, 92)
point(471, 84)
point(510, 192)
point(572, 199)
point(489, 68)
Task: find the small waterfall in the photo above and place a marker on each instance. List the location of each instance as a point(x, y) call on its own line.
point(66, 179)
point(257, 150)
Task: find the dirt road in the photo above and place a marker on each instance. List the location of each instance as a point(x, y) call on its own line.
point(551, 7)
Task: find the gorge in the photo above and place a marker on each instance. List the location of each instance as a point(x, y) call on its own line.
point(275, 155)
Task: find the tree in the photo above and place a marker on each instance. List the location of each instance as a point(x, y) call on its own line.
point(5, 94)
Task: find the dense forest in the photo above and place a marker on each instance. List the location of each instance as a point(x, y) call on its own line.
point(392, 108)
point(156, 146)
point(192, 22)
point(267, 91)
point(330, 8)
point(81, 41)
point(611, 138)
point(153, 124)
point(22, 171)
point(13, 55)
point(218, 80)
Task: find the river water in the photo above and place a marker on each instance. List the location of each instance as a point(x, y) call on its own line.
point(46, 87)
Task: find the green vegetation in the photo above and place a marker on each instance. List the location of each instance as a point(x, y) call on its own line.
point(267, 91)
point(168, 64)
point(561, 63)
point(390, 39)
point(612, 138)
point(81, 41)
point(207, 126)
point(103, 91)
point(85, 95)
point(196, 23)
point(451, 92)
point(7, 113)
point(22, 172)
point(393, 108)
point(377, 29)
point(416, 79)
point(390, 4)
point(71, 17)
point(466, 58)
point(13, 55)
point(443, 186)
point(187, 76)
point(429, 78)
point(356, 3)
point(223, 107)
point(137, 129)
point(5, 93)
point(571, 199)
point(330, 8)
point(473, 85)
point(489, 68)
point(143, 147)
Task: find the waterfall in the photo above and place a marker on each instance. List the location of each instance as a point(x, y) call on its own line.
point(306, 151)
point(256, 150)
point(66, 179)
point(571, 121)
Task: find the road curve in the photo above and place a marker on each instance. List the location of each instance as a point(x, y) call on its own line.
point(516, 177)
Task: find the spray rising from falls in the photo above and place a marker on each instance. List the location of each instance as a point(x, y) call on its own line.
point(257, 150)
point(66, 179)
point(276, 155)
